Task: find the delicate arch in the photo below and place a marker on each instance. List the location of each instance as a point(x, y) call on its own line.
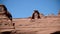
point(33, 15)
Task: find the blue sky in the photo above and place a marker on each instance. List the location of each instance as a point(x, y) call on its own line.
point(25, 8)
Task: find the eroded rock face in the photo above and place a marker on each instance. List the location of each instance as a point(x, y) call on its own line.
point(37, 24)
point(40, 26)
point(5, 20)
point(45, 25)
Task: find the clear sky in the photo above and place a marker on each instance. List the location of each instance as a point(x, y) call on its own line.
point(25, 8)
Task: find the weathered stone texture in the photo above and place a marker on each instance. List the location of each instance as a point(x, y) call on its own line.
point(36, 24)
